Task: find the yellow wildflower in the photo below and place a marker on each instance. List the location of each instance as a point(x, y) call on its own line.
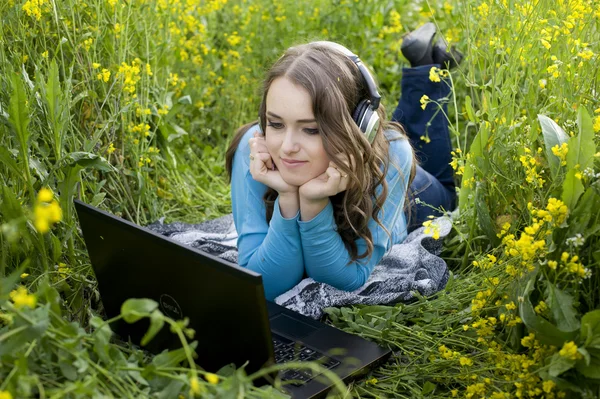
point(104, 75)
point(548, 386)
point(46, 211)
point(561, 152)
point(5, 395)
point(542, 83)
point(21, 298)
point(372, 381)
point(597, 124)
point(111, 148)
point(24, 275)
point(465, 361)
point(434, 75)
point(95, 65)
point(569, 351)
point(424, 101)
point(212, 378)
point(195, 387)
point(541, 307)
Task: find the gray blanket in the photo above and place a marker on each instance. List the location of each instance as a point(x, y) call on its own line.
point(413, 265)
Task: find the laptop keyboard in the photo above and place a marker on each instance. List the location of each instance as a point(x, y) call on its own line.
point(287, 351)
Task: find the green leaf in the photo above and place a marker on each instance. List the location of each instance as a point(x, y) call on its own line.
point(469, 107)
point(19, 112)
point(483, 216)
point(476, 150)
point(553, 135)
point(171, 358)
point(590, 329)
point(546, 332)
point(134, 309)
point(582, 219)
point(7, 159)
point(428, 388)
point(10, 206)
point(591, 369)
point(172, 390)
point(572, 189)
point(87, 160)
point(8, 283)
point(102, 336)
point(582, 147)
point(157, 320)
point(561, 306)
point(559, 364)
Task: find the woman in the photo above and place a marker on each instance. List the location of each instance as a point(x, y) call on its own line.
point(319, 184)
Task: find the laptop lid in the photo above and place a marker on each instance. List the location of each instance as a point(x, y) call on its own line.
point(224, 302)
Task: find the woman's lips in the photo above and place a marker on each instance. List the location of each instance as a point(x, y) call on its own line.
point(290, 163)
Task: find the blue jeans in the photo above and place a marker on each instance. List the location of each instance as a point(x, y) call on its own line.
point(434, 180)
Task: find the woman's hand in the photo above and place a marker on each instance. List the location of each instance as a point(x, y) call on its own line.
point(263, 169)
point(328, 184)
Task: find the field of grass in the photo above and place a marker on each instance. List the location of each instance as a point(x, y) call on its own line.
point(129, 106)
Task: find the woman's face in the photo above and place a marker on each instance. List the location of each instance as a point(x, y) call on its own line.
point(292, 134)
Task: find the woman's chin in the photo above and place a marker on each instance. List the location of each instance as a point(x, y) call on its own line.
point(294, 180)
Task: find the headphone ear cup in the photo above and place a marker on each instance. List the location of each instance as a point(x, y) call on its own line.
point(367, 119)
point(359, 113)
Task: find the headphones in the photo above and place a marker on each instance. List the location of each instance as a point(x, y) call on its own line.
point(365, 114)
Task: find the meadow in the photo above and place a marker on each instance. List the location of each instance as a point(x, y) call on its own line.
point(130, 105)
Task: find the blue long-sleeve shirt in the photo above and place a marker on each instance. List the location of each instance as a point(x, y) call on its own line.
point(284, 249)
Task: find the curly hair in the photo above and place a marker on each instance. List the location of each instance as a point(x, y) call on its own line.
point(336, 86)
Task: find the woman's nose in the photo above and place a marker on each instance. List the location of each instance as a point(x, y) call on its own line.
point(290, 143)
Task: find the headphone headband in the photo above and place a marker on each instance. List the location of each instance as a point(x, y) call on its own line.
point(374, 95)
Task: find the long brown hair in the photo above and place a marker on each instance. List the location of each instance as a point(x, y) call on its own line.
point(336, 86)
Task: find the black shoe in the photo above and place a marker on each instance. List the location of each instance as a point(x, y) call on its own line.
point(417, 45)
point(446, 58)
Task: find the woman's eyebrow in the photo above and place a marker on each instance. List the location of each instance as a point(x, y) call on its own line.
point(299, 120)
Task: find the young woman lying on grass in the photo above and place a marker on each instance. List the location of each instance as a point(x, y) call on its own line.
point(319, 184)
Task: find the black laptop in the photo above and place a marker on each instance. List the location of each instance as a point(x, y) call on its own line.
point(224, 302)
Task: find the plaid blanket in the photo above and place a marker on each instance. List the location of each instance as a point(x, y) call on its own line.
point(413, 265)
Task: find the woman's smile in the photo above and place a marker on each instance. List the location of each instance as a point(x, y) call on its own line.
point(291, 163)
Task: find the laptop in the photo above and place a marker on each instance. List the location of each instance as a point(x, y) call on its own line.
point(224, 302)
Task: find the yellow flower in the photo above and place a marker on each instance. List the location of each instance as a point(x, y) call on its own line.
point(541, 307)
point(548, 386)
point(104, 75)
point(434, 75)
point(5, 395)
point(424, 101)
point(195, 387)
point(569, 350)
point(454, 393)
point(24, 275)
point(372, 381)
point(111, 148)
point(45, 195)
point(46, 211)
point(597, 124)
point(45, 54)
point(561, 152)
point(465, 361)
point(21, 298)
point(586, 54)
point(542, 83)
point(212, 378)
point(95, 65)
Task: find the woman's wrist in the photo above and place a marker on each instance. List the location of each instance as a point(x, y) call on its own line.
point(310, 207)
point(289, 204)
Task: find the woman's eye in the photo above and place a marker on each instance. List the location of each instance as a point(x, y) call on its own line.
point(312, 131)
point(275, 125)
